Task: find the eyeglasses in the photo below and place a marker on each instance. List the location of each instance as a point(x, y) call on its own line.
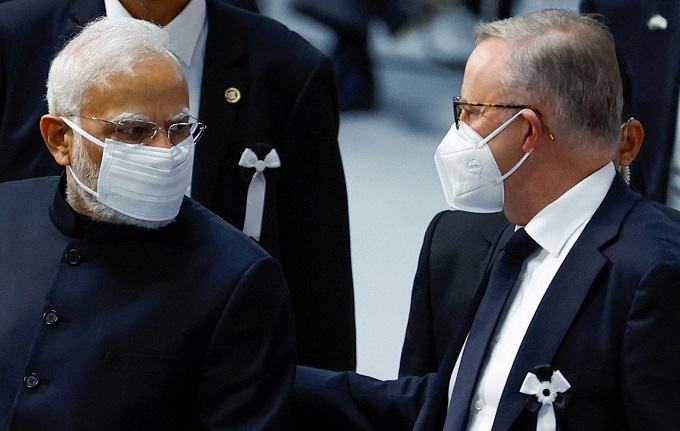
point(141, 132)
point(458, 104)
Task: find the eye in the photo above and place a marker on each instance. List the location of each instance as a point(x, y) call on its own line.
point(179, 132)
point(133, 131)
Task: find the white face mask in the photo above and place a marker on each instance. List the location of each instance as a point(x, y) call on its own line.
point(142, 182)
point(468, 172)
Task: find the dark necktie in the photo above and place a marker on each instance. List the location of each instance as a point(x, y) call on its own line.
point(504, 273)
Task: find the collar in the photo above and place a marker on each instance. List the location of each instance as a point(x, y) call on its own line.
point(77, 226)
point(184, 30)
point(552, 227)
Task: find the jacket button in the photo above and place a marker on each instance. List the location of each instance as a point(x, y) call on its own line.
point(51, 318)
point(31, 381)
point(72, 257)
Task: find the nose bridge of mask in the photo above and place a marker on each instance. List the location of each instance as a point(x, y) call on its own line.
point(499, 180)
point(150, 158)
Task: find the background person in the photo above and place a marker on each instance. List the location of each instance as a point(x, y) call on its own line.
point(647, 36)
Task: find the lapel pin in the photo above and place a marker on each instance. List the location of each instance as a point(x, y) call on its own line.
point(548, 387)
point(657, 22)
point(232, 95)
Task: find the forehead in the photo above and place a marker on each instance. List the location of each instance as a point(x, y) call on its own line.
point(154, 88)
point(482, 81)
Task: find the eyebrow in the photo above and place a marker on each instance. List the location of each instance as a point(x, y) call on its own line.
point(182, 116)
point(131, 116)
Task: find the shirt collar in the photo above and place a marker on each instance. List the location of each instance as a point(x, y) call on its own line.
point(184, 30)
point(552, 227)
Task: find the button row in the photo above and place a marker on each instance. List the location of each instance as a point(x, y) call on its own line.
point(51, 317)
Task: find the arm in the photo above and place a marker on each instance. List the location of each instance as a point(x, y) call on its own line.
point(331, 400)
point(314, 223)
point(248, 372)
point(651, 351)
point(418, 355)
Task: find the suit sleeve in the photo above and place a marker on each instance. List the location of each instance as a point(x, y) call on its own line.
point(249, 370)
point(312, 202)
point(418, 355)
point(650, 375)
point(331, 400)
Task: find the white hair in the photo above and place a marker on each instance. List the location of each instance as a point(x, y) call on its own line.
point(104, 48)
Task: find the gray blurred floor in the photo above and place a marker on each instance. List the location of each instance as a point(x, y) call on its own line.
point(387, 153)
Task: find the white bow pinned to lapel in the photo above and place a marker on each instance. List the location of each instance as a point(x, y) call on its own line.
point(546, 393)
point(252, 225)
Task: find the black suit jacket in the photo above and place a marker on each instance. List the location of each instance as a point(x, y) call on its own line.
point(288, 102)
point(188, 327)
point(654, 58)
point(608, 322)
point(456, 250)
point(454, 255)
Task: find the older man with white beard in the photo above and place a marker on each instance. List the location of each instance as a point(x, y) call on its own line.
point(125, 304)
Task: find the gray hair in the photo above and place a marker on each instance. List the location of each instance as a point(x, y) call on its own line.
point(104, 48)
point(567, 62)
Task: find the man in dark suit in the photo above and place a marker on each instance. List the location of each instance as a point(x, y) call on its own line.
point(268, 99)
point(456, 250)
point(132, 307)
point(648, 36)
point(578, 331)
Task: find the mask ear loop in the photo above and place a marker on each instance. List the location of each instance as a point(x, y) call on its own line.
point(499, 129)
point(82, 132)
point(90, 138)
point(499, 180)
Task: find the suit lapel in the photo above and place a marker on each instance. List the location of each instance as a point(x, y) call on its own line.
point(220, 72)
point(563, 298)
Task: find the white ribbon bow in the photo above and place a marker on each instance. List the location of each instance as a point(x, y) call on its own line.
point(546, 392)
point(252, 225)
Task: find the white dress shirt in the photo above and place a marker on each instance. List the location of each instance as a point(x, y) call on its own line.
point(555, 228)
point(188, 34)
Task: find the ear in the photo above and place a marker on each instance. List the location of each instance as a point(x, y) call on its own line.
point(54, 132)
point(535, 132)
point(632, 136)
